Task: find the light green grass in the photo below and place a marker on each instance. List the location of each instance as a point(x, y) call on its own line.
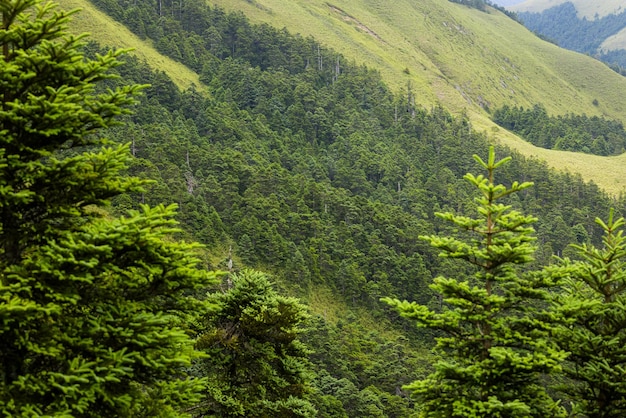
point(461, 57)
point(323, 301)
point(454, 54)
point(112, 34)
point(609, 173)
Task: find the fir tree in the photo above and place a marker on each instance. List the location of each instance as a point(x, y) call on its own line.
point(257, 366)
point(91, 308)
point(593, 308)
point(495, 346)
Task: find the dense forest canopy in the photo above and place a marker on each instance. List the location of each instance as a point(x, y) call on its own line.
point(579, 133)
point(294, 162)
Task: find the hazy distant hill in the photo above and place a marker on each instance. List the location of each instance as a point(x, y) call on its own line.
point(597, 28)
point(585, 8)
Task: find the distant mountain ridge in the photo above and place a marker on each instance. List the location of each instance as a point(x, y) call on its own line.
point(594, 28)
point(591, 9)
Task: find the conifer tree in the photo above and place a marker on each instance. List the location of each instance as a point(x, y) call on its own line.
point(91, 308)
point(592, 306)
point(494, 347)
point(257, 366)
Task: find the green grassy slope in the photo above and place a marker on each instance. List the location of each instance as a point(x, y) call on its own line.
point(458, 55)
point(110, 33)
point(465, 58)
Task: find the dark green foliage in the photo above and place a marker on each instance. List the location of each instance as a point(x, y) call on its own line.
point(592, 306)
point(592, 135)
point(196, 34)
point(305, 165)
point(351, 206)
point(91, 307)
point(257, 366)
point(495, 344)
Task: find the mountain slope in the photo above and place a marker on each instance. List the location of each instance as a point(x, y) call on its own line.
point(458, 56)
point(465, 58)
point(308, 174)
point(107, 32)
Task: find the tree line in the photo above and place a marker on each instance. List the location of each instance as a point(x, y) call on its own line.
point(579, 133)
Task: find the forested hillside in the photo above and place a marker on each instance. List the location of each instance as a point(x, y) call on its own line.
point(293, 161)
point(465, 59)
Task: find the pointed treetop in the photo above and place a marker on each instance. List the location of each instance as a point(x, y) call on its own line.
point(491, 164)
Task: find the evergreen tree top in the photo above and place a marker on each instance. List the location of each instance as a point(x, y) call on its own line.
point(496, 344)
